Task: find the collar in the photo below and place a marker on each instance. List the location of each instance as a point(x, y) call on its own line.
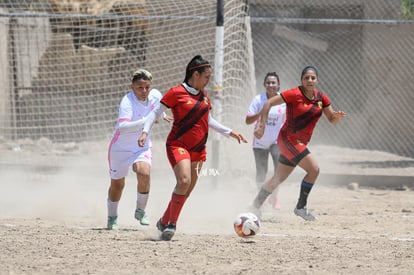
point(190, 89)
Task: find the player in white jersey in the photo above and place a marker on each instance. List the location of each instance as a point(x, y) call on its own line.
point(124, 151)
point(267, 144)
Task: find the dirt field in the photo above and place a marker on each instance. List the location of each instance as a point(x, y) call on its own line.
point(52, 219)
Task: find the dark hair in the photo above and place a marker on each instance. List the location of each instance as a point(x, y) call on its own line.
point(309, 68)
point(271, 74)
point(141, 74)
point(197, 64)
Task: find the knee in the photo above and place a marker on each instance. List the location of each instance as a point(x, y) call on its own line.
point(145, 175)
point(183, 180)
point(117, 185)
point(313, 172)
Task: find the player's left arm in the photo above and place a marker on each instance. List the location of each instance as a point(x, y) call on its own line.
point(225, 131)
point(333, 116)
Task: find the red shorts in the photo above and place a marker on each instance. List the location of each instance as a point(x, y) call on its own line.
point(177, 153)
point(292, 150)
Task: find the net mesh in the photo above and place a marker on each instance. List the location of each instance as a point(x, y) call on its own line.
point(363, 52)
point(65, 65)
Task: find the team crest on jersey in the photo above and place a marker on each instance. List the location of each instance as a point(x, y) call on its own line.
point(189, 102)
point(206, 100)
point(320, 104)
point(305, 104)
point(181, 151)
point(299, 142)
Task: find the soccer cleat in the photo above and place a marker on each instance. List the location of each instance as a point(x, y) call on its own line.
point(142, 217)
point(160, 227)
point(112, 224)
point(305, 214)
point(168, 232)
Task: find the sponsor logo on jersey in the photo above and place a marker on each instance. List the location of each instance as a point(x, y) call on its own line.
point(189, 102)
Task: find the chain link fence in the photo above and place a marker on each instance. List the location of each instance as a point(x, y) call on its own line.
point(364, 53)
point(363, 50)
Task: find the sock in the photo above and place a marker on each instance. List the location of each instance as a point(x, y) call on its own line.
point(142, 199)
point(112, 208)
point(166, 217)
point(261, 197)
point(174, 209)
point(305, 189)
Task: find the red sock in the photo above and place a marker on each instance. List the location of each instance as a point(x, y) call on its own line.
point(174, 209)
point(166, 217)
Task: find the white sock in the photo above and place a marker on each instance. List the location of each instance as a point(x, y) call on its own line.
point(142, 199)
point(112, 208)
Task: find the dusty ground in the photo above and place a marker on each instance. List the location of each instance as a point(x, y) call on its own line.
point(53, 214)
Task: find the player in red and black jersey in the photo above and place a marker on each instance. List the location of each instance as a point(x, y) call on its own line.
point(186, 142)
point(304, 107)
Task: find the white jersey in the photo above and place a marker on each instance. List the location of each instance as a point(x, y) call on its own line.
point(274, 121)
point(133, 109)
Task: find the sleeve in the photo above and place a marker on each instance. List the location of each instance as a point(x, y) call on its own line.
point(125, 123)
point(218, 127)
point(288, 95)
point(169, 99)
point(126, 126)
point(125, 109)
point(254, 107)
point(325, 100)
point(156, 93)
point(153, 116)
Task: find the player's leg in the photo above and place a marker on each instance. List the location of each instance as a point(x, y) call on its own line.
point(119, 165)
point(282, 172)
point(180, 160)
point(196, 167)
point(275, 154)
point(261, 157)
point(114, 196)
point(310, 165)
point(167, 223)
point(142, 170)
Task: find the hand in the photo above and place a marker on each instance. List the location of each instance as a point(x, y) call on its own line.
point(142, 139)
point(238, 136)
point(168, 118)
point(259, 132)
point(339, 114)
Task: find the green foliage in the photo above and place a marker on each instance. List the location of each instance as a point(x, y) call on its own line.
point(407, 9)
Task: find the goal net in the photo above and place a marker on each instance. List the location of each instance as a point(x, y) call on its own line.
point(65, 65)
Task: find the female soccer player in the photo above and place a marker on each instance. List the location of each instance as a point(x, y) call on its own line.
point(266, 145)
point(186, 142)
point(304, 107)
point(124, 151)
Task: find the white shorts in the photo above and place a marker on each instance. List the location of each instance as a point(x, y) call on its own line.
point(120, 160)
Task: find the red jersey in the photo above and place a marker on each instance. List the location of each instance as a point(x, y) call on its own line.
point(302, 114)
point(190, 112)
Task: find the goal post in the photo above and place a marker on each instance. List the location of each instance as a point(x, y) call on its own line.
point(218, 81)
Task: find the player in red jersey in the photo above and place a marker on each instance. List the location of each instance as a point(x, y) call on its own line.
point(186, 142)
point(304, 107)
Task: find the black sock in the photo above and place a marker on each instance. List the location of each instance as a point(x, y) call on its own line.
point(305, 189)
point(261, 197)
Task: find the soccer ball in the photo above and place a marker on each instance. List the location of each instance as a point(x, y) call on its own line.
point(247, 225)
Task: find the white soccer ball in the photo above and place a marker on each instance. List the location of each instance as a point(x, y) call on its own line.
point(247, 225)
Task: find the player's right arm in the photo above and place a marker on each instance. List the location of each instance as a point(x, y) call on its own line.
point(276, 100)
point(149, 122)
point(254, 111)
